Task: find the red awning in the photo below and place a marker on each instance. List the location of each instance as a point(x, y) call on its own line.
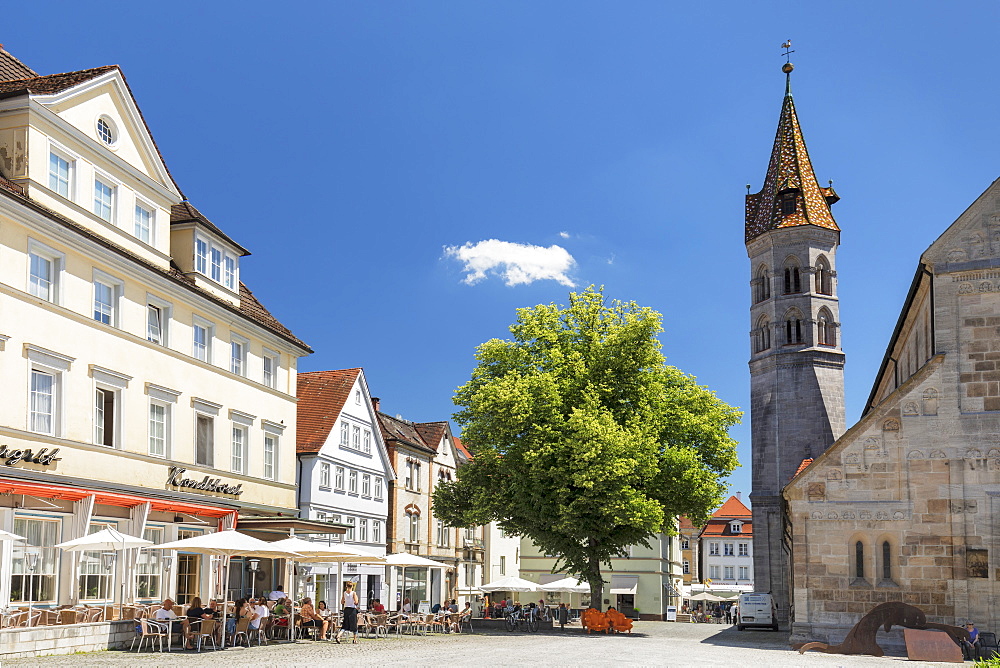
point(46, 491)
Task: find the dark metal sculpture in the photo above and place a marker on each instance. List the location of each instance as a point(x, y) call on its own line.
point(861, 638)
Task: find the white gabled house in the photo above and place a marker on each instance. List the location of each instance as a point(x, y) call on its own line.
point(344, 475)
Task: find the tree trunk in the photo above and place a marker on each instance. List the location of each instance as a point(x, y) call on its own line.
point(593, 577)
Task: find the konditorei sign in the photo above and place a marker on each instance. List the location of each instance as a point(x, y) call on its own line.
point(13, 457)
point(206, 484)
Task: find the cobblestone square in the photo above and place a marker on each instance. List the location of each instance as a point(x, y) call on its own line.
point(651, 644)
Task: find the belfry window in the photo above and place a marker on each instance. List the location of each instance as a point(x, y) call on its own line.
point(762, 337)
point(793, 330)
point(762, 286)
point(793, 282)
point(825, 329)
point(824, 280)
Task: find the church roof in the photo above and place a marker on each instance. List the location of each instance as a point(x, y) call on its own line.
point(790, 171)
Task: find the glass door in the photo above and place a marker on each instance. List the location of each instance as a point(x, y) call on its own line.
point(188, 576)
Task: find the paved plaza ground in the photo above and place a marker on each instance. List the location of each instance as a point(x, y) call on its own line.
point(650, 644)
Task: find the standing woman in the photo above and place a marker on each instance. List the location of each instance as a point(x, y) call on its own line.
point(349, 604)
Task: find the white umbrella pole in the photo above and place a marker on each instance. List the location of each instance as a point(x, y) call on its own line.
point(340, 585)
point(225, 603)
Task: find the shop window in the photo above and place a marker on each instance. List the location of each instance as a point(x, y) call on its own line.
point(96, 582)
point(41, 585)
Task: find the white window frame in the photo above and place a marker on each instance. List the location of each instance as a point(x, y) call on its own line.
point(713, 572)
point(165, 311)
point(70, 161)
point(270, 455)
point(357, 397)
point(100, 430)
point(56, 365)
point(744, 549)
point(142, 205)
point(362, 530)
point(729, 573)
point(112, 205)
point(345, 433)
point(209, 327)
point(241, 344)
point(366, 484)
point(744, 573)
point(57, 263)
point(356, 437)
point(240, 448)
point(366, 443)
point(686, 567)
point(413, 534)
point(153, 403)
point(54, 400)
point(324, 475)
point(378, 487)
point(211, 438)
point(339, 479)
point(352, 482)
point(728, 550)
point(349, 521)
point(713, 549)
point(217, 263)
point(117, 287)
point(376, 531)
point(272, 358)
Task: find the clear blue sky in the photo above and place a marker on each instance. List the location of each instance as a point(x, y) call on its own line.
point(347, 144)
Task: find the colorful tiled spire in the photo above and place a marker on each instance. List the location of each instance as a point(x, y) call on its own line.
point(791, 195)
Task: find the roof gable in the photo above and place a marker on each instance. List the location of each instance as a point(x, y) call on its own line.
point(321, 395)
point(973, 240)
point(732, 508)
point(12, 68)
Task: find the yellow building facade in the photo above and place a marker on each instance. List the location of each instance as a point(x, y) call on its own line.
point(146, 387)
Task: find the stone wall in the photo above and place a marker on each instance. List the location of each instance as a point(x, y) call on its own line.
point(18, 643)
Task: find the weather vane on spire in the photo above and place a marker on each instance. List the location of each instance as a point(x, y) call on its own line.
point(787, 67)
point(787, 46)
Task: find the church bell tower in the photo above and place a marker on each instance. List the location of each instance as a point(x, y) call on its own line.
point(796, 363)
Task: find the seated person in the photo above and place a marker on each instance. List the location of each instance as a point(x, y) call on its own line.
point(277, 594)
point(970, 647)
point(322, 610)
point(377, 607)
point(172, 622)
point(195, 613)
point(262, 613)
point(310, 618)
point(242, 610)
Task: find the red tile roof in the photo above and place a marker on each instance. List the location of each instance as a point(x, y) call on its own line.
point(802, 467)
point(686, 523)
point(322, 395)
point(397, 430)
point(723, 528)
point(733, 508)
point(431, 433)
point(12, 68)
point(51, 83)
point(461, 447)
point(186, 213)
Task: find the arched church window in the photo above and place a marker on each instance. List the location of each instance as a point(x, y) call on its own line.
point(824, 280)
point(793, 283)
point(886, 561)
point(826, 331)
point(793, 328)
point(762, 286)
point(859, 560)
point(762, 335)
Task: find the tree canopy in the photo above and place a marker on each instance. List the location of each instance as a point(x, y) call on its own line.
point(583, 439)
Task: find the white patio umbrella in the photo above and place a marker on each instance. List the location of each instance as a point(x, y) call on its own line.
point(566, 586)
point(228, 543)
point(104, 540)
point(510, 583)
point(706, 596)
point(405, 560)
point(6, 535)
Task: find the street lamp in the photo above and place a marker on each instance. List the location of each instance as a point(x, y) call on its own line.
point(31, 563)
point(253, 565)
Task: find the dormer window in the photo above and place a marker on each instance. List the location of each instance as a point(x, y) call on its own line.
point(788, 203)
point(214, 261)
point(736, 527)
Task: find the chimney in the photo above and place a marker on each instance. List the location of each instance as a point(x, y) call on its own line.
point(375, 403)
point(738, 494)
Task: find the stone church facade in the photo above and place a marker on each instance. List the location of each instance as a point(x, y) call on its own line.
point(902, 506)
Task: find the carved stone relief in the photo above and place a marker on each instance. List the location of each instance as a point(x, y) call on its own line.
point(915, 454)
point(910, 408)
point(930, 402)
point(890, 425)
point(965, 289)
point(938, 454)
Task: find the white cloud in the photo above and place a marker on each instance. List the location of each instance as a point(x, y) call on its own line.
point(564, 235)
point(517, 264)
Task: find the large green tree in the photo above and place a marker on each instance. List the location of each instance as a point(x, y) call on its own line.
point(584, 440)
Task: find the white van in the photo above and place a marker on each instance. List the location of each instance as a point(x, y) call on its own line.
point(757, 610)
